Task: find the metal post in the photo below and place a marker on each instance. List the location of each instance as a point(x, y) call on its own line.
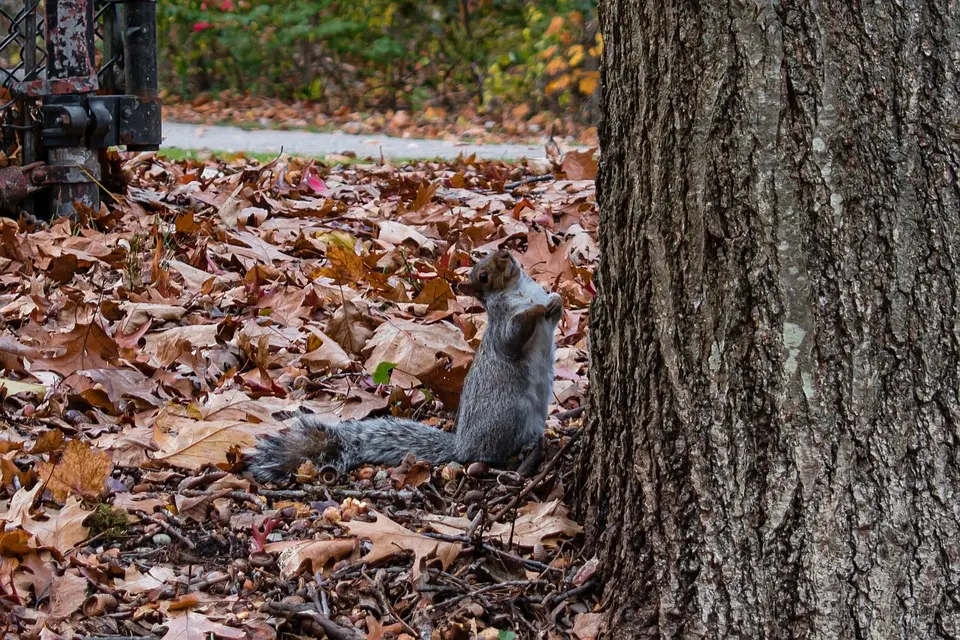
point(71, 74)
point(111, 79)
point(140, 64)
point(29, 68)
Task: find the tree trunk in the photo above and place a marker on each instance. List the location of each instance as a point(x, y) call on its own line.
point(772, 448)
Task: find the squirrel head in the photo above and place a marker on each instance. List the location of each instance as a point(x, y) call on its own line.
point(495, 272)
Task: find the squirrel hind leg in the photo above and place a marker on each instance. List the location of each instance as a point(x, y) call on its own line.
point(278, 456)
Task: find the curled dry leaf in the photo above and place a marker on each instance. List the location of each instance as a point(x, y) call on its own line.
point(390, 538)
point(313, 556)
point(410, 473)
point(328, 355)
point(82, 471)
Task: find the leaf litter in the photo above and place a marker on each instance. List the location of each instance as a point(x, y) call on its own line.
point(147, 344)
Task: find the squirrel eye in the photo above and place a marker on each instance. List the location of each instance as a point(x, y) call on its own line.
point(484, 277)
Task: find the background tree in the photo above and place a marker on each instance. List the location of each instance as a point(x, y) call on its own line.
point(776, 341)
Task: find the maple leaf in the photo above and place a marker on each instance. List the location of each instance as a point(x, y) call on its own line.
point(85, 347)
point(390, 538)
point(346, 267)
point(191, 625)
point(63, 529)
point(82, 470)
point(313, 556)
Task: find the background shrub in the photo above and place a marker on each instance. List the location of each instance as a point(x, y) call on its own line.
point(363, 54)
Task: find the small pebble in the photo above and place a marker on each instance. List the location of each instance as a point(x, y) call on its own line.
point(162, 540)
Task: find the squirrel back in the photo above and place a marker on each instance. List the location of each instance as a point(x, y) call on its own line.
point(503, 406)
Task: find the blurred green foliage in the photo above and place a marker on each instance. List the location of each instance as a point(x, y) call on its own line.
point(386, 54)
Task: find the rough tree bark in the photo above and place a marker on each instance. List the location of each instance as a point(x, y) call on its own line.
point(776, 338)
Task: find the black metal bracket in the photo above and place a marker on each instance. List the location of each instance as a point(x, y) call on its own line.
point(97, 122)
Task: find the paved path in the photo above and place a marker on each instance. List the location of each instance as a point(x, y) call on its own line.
point(306, 143)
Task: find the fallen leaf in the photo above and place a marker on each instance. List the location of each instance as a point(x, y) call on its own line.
point(85, 347)
point(82, 470)
point(435, 294)
point(580, 165)
point(63, 529)
point(435, 355)
point(313, 556)
point(586, 626)
point(69, 592)
point(410, 473)
point(390, 538)
point(20, 505)
point(13, 387)
point(199, 443)
point(191, 625)
point(351, 326)
point(135, 582)
point(326, 356)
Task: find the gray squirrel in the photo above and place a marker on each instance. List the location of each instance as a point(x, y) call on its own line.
point(503, 406)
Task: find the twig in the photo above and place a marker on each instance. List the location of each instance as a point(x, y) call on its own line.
point(116, 637)
point(529, 180)
point(206, 584)
point(533, 484)
point(570, 414)
point(533, 564)
point(236, 494)
point(382, 597)
point(556, 598)
point(169, 528)
point(331, 628)
point(526, 584)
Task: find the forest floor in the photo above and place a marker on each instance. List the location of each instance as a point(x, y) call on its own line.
point(145, 346)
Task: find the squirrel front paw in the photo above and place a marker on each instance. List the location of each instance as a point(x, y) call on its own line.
point(554, 307)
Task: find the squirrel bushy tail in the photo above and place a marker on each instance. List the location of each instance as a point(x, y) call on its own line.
point(347, 445)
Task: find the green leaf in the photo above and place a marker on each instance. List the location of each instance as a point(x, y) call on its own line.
point(381, 374)
point(507, 635)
